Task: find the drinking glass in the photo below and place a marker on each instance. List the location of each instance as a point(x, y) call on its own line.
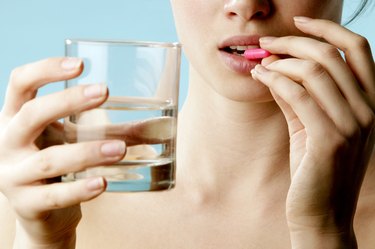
point(141, 109)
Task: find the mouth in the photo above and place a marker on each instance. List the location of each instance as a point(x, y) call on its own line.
point(238, 44)
point(232, 53)
point(237, 50)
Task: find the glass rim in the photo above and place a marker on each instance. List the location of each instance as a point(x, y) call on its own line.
point(124, 42)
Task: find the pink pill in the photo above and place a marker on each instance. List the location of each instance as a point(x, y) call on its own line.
point(256, 53)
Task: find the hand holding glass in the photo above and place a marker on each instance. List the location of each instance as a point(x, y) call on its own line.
point(143, 83)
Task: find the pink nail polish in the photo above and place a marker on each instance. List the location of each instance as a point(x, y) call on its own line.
point(256, 53)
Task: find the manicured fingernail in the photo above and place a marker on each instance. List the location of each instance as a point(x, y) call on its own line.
point(95, 184)
point(302, 19)
point(266, 39)
point(71, 63)
point(95, 91)
point(111, 149)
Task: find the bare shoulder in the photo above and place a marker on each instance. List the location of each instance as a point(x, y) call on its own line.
point(365, 215)
point(7, 221)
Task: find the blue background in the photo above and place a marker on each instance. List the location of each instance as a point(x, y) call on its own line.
point(34, 29)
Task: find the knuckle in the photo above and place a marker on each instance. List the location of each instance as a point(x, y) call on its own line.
point(51, 201)
point(361, 42)
point(352, 132)
point(336, 144)
point(24, 77)
point(329, 51)
point(313, 68)
point(367, 120)
point(16, 78)
point(44, 163)
point(299, 95)
point(23, 116)
point(26, 109)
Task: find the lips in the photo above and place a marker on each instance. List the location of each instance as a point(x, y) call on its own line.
point(231, 52)
point(240, 41)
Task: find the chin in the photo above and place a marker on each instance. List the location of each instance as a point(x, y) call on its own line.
point(244, 90)
point(231, 85)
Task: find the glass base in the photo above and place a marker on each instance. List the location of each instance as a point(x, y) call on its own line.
point(128, 177)
point(134, 186)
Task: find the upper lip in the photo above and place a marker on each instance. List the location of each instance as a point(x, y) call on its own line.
point(240, 40)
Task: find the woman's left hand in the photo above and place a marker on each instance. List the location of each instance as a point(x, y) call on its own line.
point(329, 105)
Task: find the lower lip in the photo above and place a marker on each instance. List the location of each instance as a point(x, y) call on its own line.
point(238, 63)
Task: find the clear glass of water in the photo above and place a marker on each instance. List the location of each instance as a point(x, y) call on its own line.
point(142, 107)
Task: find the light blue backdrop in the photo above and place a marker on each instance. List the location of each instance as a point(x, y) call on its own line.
point(34, 29)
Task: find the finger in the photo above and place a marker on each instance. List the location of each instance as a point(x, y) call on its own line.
point(37, 113)
point(295, 95)
point(149, 131)
point(296, 131)
point(43, 198)
point(322, 88)
point(329, 57)
point(294, 124)
point(268, 60)
point(25, 80)
point(355, 47)
point(52, 135)
point(53, 161)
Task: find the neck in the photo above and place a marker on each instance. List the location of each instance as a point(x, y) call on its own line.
point(223, 142)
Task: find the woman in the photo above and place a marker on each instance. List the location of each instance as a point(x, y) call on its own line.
point(282, 152)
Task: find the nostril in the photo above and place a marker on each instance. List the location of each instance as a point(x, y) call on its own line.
point(259, 14)
point(246, 9)
point(231, 14)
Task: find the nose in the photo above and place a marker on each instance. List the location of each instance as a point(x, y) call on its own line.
point(247, 9)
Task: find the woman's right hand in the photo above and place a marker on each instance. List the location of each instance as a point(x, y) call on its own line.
point(47, 210)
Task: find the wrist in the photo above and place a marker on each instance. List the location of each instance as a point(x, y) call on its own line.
point(323, 238)
point(21, 242)
point(24, 241)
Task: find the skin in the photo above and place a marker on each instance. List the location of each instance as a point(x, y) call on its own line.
point(282, 153)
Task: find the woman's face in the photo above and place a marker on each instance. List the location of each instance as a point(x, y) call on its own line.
point(207, 28)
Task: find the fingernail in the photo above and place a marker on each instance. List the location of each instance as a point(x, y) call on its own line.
point(259, 69)
point(95, 184)
point(111, 149)
point(252, 72)
point(71, 63)
point(302, 19)
point(95, 91)
point(266, 39)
